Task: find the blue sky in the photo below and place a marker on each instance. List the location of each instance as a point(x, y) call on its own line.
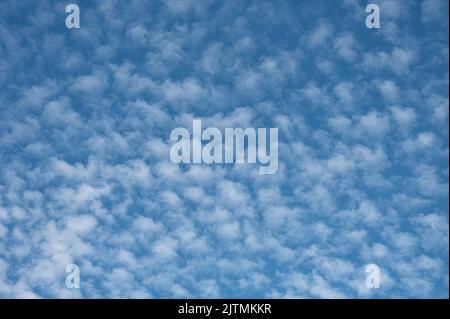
point(86, 176)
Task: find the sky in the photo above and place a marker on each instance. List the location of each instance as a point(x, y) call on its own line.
point(86, 176)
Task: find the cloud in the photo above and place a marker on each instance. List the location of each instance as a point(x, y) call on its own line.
point(86, 177)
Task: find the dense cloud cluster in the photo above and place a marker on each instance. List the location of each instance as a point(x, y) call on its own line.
point(86, 176)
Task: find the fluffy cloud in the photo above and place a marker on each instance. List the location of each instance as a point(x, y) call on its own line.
point(86, 177)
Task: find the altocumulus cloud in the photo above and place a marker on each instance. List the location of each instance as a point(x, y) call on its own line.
point(86, 177)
